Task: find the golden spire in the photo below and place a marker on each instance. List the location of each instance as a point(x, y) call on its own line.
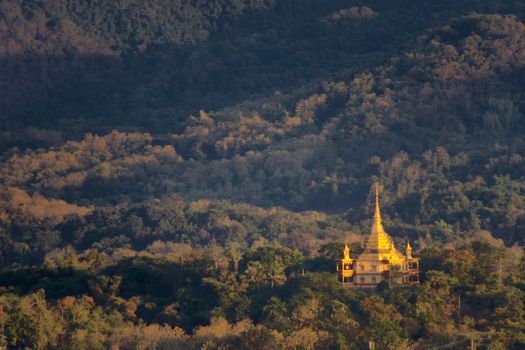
point(377, 226)
point(379, 245)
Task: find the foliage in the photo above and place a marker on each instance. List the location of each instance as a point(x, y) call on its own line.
point(184, 174)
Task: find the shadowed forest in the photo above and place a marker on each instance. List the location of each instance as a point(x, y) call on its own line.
point(185, 174)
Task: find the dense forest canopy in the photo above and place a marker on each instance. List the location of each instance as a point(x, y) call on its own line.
point(184, 174)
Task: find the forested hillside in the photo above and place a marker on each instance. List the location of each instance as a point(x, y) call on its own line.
point(184, 174)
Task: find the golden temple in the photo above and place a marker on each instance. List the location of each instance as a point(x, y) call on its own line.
point(380, 260)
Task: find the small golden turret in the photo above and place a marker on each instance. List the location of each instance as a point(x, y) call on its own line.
point(408, 250)
point(347, 267)
point(346, 253)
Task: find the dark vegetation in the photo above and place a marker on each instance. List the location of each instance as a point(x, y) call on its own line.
point(184, 174)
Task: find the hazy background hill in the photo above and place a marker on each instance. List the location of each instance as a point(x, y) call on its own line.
point(77, 66)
